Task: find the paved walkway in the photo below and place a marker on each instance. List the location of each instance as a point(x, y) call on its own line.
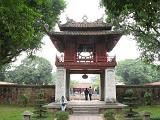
point(86, 117)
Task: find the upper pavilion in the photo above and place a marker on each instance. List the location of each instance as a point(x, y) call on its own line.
point(85, 44)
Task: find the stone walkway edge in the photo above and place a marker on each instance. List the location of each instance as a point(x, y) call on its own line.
point(86, 117)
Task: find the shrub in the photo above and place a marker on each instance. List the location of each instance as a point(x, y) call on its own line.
point(40, 110)
point(24, 100)
point(129, 93)
point(109, 114)
point(130, 100)
point(119, 116)
point(61, 115)
point(148, 98)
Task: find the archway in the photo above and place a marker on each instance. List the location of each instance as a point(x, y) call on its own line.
point(100, 73)
point(78, 84)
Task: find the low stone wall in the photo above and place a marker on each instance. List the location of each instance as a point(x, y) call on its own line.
point(139, 92)
point(12, 94)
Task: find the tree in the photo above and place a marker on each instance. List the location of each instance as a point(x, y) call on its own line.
point(73, 83)
point(32, 71)
point(54, 78)
point(22, 25)
point(139, 18)
point(3, 71)
point(2, 74)
point(40, 110)
point(96, 81)
point(136, 72)
point(130, 100)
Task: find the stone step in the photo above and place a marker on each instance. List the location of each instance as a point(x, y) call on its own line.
point(84, 106)
point(85, 110)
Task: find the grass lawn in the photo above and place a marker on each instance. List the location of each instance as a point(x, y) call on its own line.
point(154, 110)
point(9, 112)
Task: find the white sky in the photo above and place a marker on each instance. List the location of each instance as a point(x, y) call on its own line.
point(76, 9)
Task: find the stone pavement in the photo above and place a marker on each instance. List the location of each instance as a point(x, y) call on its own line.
point(86, 117)
point(81, 109)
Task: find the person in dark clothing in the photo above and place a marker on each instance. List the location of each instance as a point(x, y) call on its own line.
point(86, 92)
point(90, 93)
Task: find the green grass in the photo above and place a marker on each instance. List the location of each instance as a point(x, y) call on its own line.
point(9, 112)
point(154, 110)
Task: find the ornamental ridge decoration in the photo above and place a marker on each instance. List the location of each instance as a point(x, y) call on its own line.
point(85, 18)
point(69, 20)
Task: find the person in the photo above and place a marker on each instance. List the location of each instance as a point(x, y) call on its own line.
point(63, 103)
point(86, 93)
point(90, 93)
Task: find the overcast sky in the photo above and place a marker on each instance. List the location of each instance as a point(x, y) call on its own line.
point(125, 49)
point(76, 9)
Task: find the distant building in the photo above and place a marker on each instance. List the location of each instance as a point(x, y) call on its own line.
point(80, 87)
point(118, 82)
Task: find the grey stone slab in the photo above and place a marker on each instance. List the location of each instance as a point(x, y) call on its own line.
point(86, 117)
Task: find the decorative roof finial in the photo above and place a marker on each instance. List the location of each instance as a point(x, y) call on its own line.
point(85, 18)
point(69, 20)
point(100, 20)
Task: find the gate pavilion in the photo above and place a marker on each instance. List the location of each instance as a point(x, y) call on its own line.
point(85, 47)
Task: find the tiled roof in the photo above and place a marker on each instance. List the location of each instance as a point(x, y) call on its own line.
point(6, 83)
point(85, 24)
point(153, 84)
point(104, 32)
point(98, 24)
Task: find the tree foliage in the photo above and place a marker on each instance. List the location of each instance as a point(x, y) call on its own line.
point(73, 83)
point(2, 74)
point(139, 18)
point(36, 71)
point(136, 72)
point(96, 81)
point(54, 78)
point(3, 71)
point(22, 25)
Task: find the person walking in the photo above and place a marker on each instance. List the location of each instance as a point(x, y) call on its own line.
point(63, 103)
point(86, 92)
point(90, 93)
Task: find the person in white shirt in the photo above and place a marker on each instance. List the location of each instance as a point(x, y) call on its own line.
point(63, 103)
point(90, 93)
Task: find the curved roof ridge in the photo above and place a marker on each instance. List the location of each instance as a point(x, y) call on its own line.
point(97, 23)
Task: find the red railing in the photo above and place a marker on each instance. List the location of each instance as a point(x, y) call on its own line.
point(108, 59)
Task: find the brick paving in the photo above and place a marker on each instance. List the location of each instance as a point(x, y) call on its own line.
point(86, 117)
